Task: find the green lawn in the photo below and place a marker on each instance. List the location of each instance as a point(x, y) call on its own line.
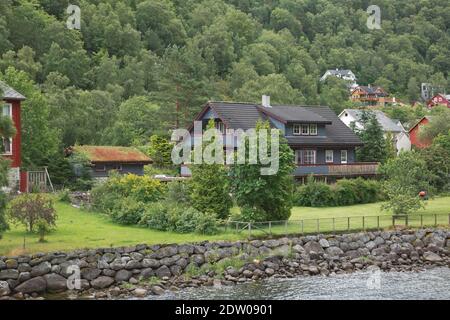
point(81, 229)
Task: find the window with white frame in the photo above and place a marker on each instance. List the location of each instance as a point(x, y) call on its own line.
point(7, 142)
point(220, 126)
point(306, 156)
point(329, 156)
point(343, 156)
point(305, 129)
point(313, 129)
point(296, 130)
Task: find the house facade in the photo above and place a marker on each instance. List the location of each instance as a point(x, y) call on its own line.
point(11, 147)
point(414, 133)
point(371, 96)
point(400, 136)
point(439, 99)
point(323, 145)
point(344, 74)
point(104, 159)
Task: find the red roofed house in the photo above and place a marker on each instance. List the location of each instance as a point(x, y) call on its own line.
point(439, 99)
point(11, 147)
point(414, 134)
point(103, 159)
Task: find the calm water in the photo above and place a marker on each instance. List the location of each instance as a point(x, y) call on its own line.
point(429, 284)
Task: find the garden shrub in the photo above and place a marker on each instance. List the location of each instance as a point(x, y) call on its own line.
point(127, 211)
point(167, 216)
point(345, 192)
point(315, 194)
point(178, 192)
point(140, 188)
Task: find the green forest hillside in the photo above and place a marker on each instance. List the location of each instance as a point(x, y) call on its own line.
point(120, 78)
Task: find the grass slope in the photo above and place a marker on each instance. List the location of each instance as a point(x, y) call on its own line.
point(78, 229)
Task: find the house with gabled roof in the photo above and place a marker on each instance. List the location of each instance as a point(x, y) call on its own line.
point(400, 136)
point(343, 74)
point(414, 133)
point(323, 145)
point(439, 99)
point(371, 96)
point(11, 147)
point(104, 159)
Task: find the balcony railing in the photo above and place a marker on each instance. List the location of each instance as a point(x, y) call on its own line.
point(350, 169)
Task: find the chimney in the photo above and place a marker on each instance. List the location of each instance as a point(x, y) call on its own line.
point(266, 101)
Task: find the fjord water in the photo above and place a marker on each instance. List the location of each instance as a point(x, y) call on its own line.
point(429, 284)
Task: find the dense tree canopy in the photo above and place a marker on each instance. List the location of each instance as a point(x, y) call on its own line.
point(172, 56)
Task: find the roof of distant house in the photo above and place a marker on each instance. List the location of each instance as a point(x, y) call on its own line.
point(244, 116)
point(107, 154)
point(9, 93)
point(429, 118)
point(370, 89)
point(341, 72)
point(385, 122)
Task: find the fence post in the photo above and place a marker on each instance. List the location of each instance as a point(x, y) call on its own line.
point(364, 223)
point(318, 226)
point(406, 220)
point(286, 227)
point(435, 219)
point(270, 227)
point(393, 221)
point(334, 225)
point(449, 219)
point(378, 222)
point(421, 220)
point(348, 224)
point(303, 227)
point(249, 229)
point(237, 227)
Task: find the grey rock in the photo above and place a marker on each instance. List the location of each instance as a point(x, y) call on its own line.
point(271, 243)
point(123, 275)
point(133, 264)
point(313, 246)
point(157, 290)
point(102, 282)
point(55, 282)
point(108, 257)
point(378, 241)
point(108, 272)
point(169, 260)
point(371, 245)
point(182, 263)
point(41, 269)
point(186, 248)
point(37, 284)
point(9, 274)
point(298, 248)
point(269, 271)
point(176, 270)
point(198, 259)
point(150, 263)
point(137, 256)
point(90, 273)
point(432, 257)
point(334, 251)
point(2, 264)
point(147, 273)
point(163, 271)
point(4, 289)
point(139, 292)
point(24, 276)
point(324, 243)
point(166, 252)
point(117, 264)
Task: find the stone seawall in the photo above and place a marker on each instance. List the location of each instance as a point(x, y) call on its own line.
point(104, 269)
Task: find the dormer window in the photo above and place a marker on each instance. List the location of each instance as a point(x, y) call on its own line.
point(220, 126)
point(304, 129)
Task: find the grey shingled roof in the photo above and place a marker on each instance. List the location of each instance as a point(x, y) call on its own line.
point(343, 72)
point(245, 115)
point(295, 114)
point(385, 122)
point(10, 93)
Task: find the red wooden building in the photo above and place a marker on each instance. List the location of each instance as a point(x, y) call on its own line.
point(12, 147)
point(414, 134)
point(439, 99)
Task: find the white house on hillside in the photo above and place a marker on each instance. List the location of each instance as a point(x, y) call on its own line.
point(400, 135)
point(344, 74)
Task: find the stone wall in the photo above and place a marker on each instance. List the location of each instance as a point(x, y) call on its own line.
point(30, 275)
